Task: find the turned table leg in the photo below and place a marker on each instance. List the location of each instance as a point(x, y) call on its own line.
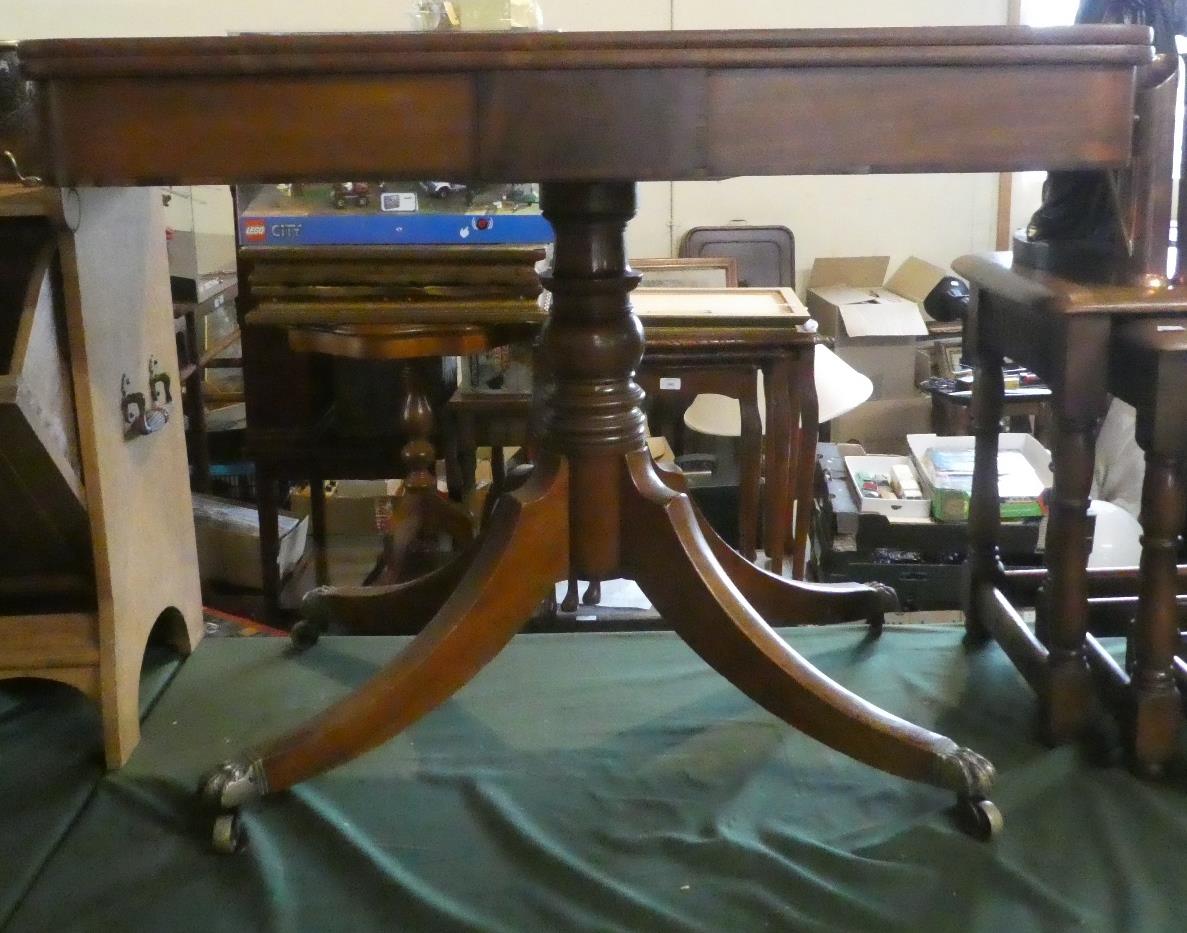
point(268, 505)
point(782, 388)
point(805, 465)
point(749, 467)
point(317, 529)
point(1156, 713)
point(1061, 619)
point(983, 564)
point(422, 513)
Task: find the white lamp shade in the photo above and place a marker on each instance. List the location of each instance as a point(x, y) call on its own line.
point(839, 388)
point(1117, 538)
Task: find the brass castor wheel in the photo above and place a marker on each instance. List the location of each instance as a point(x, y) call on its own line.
point(229, 835)
point(979, 818)
point(304, 634)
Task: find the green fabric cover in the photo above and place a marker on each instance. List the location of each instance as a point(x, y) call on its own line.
point(583, 782)
point(51, 761)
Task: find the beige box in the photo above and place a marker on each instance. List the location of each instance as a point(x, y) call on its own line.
point(876, 322)
point(882, 427)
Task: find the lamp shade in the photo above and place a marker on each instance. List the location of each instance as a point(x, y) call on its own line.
point(839, 388)
point(1116, 537)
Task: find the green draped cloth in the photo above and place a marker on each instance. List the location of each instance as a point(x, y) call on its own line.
point(581, 782)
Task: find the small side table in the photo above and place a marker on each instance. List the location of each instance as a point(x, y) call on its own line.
point(1148, 369)
point(708, 358)
point(1078, 338)
point(951, 414)
point(421, 511)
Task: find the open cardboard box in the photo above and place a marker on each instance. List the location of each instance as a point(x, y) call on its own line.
point(353, 506)
point(952, 505)
point(883, 426)
point(875, 322)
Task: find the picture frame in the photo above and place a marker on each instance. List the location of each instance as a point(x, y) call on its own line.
point(688, 272)
point(946, 356)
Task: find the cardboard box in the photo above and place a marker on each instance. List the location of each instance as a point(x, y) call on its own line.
point(952, 504)
point(228, 534)
point(353, 506)
point(875, 322)
point(882, 427)
point(894, 509)
point(200, 264)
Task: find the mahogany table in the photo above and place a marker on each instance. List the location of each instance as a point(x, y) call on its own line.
point(588, 115)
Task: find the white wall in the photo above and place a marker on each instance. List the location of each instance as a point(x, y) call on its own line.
point(937, 217)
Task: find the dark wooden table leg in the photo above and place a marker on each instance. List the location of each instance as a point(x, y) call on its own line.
point(195, 407)
point(1056, 662)
point(1156, 713)
point(268, 507)
point(467, 439)
point(572, 598)
point(782, 412)
point(317, 529)
point(1061, 620)
point(498, 469)
point(672, 563)
point(750, 443)
point(519, 555)
point(983, 565)
point(451, 452)
point(805, 465)
point(422, 513)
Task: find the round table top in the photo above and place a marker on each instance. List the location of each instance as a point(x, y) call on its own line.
point(396, 341)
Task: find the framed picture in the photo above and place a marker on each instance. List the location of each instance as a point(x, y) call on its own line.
point(947, 358)
point(695, 272)
point(722, 307)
